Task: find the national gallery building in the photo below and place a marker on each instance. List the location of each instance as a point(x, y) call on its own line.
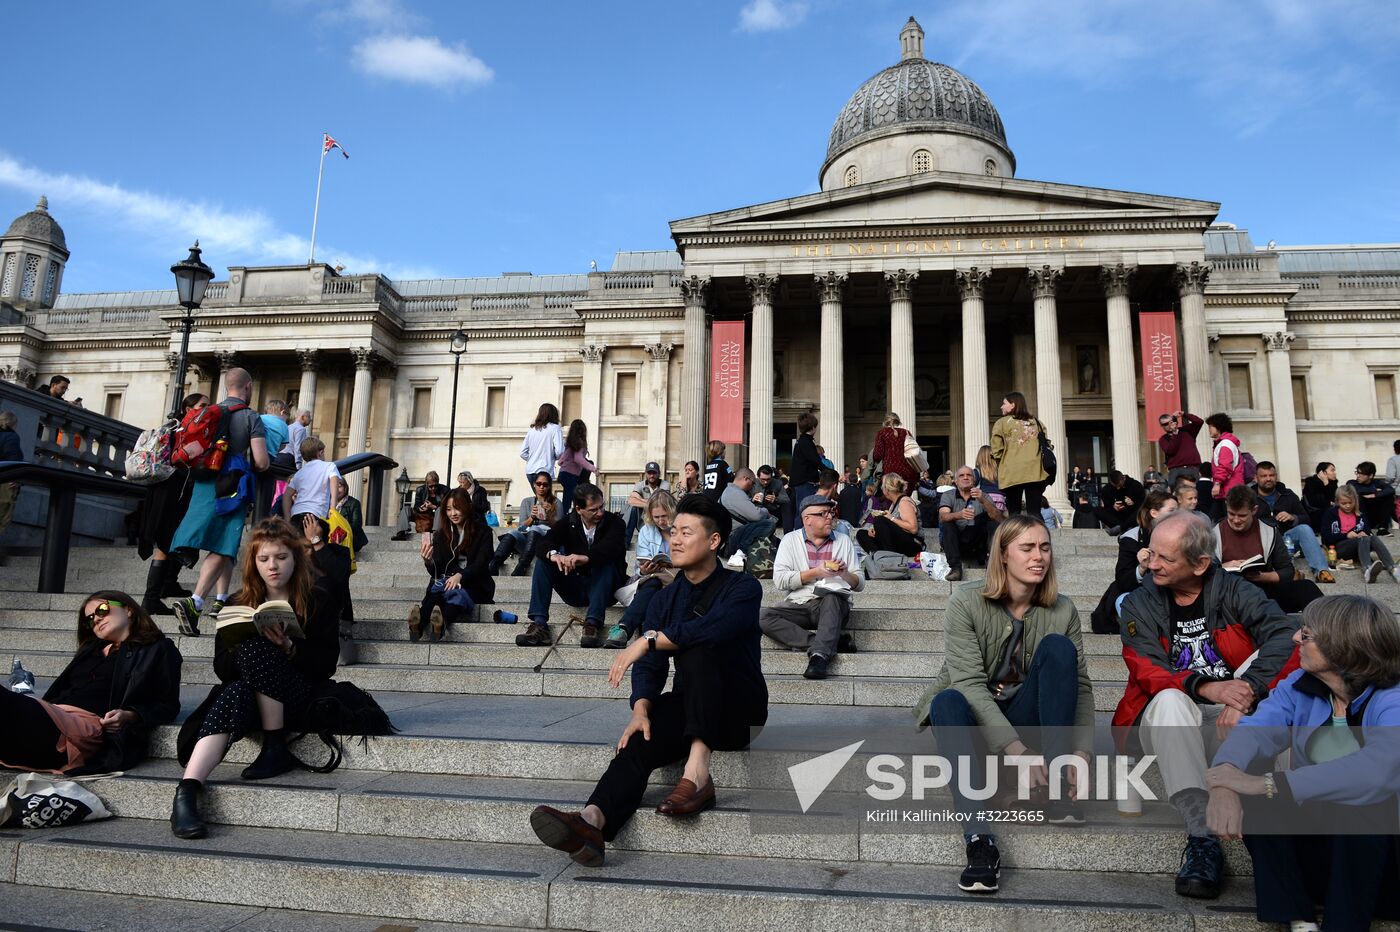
point(925, 278)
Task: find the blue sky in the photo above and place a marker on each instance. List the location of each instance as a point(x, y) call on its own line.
point(489, 137)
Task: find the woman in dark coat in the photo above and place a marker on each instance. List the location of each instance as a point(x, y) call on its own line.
point(457, 557)
point(123, 682)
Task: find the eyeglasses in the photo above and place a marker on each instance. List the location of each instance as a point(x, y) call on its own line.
point(1306, 635)
point(102, 610)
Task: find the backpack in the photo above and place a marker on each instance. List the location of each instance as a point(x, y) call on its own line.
point(202, 442)
point(1248, 465)
point(886, 564)
point(914, 456)
point(758, 558)
point(149, 460)
point(1047, 456)
point(234, 487)
point(343, 709)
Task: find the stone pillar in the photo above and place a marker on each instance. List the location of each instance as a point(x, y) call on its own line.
point(761, 288)
point(901, 290)
point(956, 431)
point(833, 380)
point(1200, 391)
point(660, 356)
point(1281, 397)
point(365, 359)
point(306, 395)
point(227, 360)
point(977, 426)
point(1049, 407)
point(695, 373)
point(591, 397)
point(1117, 282)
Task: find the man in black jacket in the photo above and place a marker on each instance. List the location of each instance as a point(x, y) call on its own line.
point(1119, 501)
point(583, 558)
point(1278, 503)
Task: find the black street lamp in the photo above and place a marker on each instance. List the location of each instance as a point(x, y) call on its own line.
point(192, 276)
point(458, 347)
point(401, 485)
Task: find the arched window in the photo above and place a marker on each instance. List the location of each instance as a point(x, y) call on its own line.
point(852, 175)
point(922, 162)
point(989, 167)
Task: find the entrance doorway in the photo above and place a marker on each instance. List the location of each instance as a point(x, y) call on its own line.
point(1090, 446)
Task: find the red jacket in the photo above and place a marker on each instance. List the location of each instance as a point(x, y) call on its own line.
point(1227, 463)
point(889, 453)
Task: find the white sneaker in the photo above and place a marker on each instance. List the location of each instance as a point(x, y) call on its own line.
point(1396, 573)
point(1373, 572)
point(1298, 925)
point(737, 560)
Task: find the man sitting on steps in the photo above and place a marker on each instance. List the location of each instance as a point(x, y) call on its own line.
point(818, 570)
point(583, 559)
point(966, 520)
point(1278, 503)
point(1242, 536)
point(752, 521)
point(707, 621)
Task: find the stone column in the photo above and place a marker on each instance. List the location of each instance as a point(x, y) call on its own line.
point(227, 360)
point(306, 395)
point(901, 290)
point(1049, 407)
point(761, 288)
point(694, 375)
point(365, 359)
point(977, 426)
point(1281, 397)
point(833, 380)
point(657, 390)
point(956, 431)
point(1200, 391)
point(1117, 282)
point(591, 396)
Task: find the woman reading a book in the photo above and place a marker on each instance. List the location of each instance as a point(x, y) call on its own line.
point(98, 715)
point(277, 641)
point(654, 569)
point(458, 560)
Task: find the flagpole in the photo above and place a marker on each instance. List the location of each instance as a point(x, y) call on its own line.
point(316, 213)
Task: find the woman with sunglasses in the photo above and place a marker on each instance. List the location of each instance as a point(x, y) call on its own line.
point(265, 682)
point(98, 715)
point(538, 512)
point(458, 560)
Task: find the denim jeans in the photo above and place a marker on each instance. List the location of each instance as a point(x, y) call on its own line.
point(1306, 539)
point(634, 518)
point(590, 587)
point(1047, 698)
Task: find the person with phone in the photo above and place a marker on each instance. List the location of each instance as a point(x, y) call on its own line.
point(1180, 455)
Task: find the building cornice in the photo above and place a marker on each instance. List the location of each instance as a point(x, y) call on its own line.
point(1023, 228)
point(495, 333)
point(1344, 316)
point(631, 313)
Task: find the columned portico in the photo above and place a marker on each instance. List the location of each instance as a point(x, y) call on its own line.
point(693, 378)
point(1049, 407)
point(976, 420)
point(1117, 282)
point(761, 289)
point(306, 395)
point(365, 358)
point(1200, 392)
point(1276, 346)
point(832, 426)
point(900, 286)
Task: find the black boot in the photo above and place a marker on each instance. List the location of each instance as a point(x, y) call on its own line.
point(170, 587)
point(522, 565)
point(273, 760)
point(155, 578)
point(503, 551)
point(185, 821)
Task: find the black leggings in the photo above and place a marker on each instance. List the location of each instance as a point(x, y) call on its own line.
point(263, 668)
point(886, 535)
point(1363, 550)
point(1031, 491)
point(29, 738)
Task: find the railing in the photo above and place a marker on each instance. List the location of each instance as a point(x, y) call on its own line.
point(430, 305)
point(126, 315)
point(216, 291)
point(501, 303)
point(1304, 282)
point(560, 300)
point(1369, 281)
point(1235, 263)
point(68, 317)
point(628, 280)
point(343, 286)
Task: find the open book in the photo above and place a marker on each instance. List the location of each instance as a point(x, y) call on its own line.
point(237, 623)
point(1256, 562)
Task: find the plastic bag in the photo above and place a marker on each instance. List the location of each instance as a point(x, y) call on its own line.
point(935, 565)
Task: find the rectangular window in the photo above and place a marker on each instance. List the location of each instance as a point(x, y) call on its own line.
point(1385, 397)
point(496, 406)
point(113, 406)
point(423, 407)
point(571, 408)
point(625, 401)
point(1241, 392)
point(1301, 410)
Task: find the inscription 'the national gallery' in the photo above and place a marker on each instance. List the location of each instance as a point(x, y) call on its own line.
point(928, 247)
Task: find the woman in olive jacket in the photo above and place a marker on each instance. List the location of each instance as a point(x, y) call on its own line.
point(1016, 449)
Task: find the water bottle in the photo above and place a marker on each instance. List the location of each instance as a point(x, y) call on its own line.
point(1332, 556)
point(503, 617)
point(1291, 546)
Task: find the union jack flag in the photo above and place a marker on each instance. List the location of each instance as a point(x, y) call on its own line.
point(330, 144)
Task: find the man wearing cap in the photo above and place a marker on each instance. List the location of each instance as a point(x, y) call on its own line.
point(816, 567)
point(467, 483)
point(771, 494)
point(641, 492)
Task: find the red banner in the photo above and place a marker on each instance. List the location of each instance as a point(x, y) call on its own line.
point(727, 381)
point(1161, 384)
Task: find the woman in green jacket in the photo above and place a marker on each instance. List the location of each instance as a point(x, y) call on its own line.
point(1016, 450)
point(1014, 665)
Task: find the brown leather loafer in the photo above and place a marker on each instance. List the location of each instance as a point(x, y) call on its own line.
point(569, 833)
point(687, 799)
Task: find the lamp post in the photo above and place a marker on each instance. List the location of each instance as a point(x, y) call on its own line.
point(458, 346)
point(192, 276)
point(402, 485)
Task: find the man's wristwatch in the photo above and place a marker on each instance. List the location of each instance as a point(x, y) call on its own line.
point(651, 641)
point(551, 555)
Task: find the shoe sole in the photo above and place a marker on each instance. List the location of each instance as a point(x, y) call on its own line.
point(191, 836)
point(555, 834)
point(439, 624)
point(1197, 891)
point(1373, 572)
point(182, 617)
point(979, 887)
point(614, 645)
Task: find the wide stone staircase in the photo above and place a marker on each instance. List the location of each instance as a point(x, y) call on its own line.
point(428, 829)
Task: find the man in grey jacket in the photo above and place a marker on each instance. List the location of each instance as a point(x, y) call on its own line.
point(751, 522)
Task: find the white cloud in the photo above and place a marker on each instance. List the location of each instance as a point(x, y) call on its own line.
point(229, 237)
point(771, 15)
point(421, 60)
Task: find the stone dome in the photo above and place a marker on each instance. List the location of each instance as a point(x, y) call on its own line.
point(916, 96)
point(38, 225)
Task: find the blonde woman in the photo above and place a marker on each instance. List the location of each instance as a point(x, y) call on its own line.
point(889, 451)
point(895, 526)
point(1014, 662)
point(653, 566)
point(1345, 528)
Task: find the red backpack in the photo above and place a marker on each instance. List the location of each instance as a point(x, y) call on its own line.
point(202, 442)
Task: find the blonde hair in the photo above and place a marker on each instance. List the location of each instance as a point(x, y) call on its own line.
point(986, 466)
point(998, 582)
point(663, 498)
point(893, 482)
point(716, 448)
point(1349, 493)
point(892, 420)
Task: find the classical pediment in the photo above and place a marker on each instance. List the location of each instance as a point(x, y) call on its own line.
point(947, 200)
